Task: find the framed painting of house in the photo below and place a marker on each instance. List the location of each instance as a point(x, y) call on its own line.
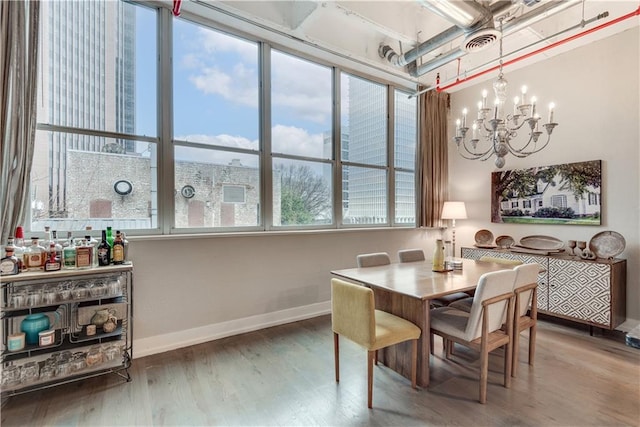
point(559, 194)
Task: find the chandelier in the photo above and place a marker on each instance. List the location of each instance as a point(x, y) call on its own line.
point(500, 129)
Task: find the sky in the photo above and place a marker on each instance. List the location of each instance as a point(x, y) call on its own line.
point(215, 90)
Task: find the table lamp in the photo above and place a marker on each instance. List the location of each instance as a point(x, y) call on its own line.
point(453, 211)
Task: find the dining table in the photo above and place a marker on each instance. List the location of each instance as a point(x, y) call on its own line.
point(406, 290)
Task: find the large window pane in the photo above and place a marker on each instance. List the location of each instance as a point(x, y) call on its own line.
point(72, 188)
point(367, 205)
point(300, 107)
point(301, 193)
point(405, 157)
point(405, 198)
point(97, 74)
point(98, 66)
point(215, 87)
point(405, 131)
point(215, 188)
point(364, 121)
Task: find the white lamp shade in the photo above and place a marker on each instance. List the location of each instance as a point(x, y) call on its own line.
point(454, 210)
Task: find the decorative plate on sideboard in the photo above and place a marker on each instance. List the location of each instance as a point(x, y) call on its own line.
point(544, 243)
point(607, 244)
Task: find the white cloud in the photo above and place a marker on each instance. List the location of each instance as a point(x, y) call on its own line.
point(293, 140)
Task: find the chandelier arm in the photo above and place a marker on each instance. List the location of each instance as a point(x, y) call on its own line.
point(475, 155)
point(521, 153)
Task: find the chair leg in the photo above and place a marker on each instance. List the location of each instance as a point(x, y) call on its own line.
point(516, 351)
point(370, 357)
point(376, 358)
point(431, 343)
point(414, 364)
point(532, 343)
point(336, 356)
point(508, 361)
point(484, 373)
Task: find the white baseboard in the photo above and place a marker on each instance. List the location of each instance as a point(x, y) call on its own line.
point(171, 341)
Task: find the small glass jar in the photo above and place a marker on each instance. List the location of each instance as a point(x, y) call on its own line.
point(47, 372)
point(94, 356)
point(64, 290)
point(11, 375)
point(112, 352)
point(78, 362)
point(30, 372)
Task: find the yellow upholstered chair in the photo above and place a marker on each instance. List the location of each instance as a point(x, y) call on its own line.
point(526, 291)
point(481, 328)
point(354, 316)
point(373, 259)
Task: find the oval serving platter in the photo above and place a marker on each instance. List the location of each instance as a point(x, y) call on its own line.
point(607, 244)
point(543, 243)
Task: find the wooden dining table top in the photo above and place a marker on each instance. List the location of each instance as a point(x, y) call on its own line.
point(418, 280)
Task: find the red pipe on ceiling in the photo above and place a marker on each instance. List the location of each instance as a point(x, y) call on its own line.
point(542, 49)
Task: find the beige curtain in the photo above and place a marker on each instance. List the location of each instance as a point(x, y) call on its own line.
point(433, 158)
point(18, 90)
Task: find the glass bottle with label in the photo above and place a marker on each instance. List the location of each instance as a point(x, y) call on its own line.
point(118, 249)
point(110, 239)
point(84, 255)
point(19, 247)
point(53, 260)
point(69, 255)
point(104, 251)
point(58, 246)
point(93, 243)
point(9, 265)
point(35, 256)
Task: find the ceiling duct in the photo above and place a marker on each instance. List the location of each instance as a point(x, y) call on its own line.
point(469, 17)
point(542, 12)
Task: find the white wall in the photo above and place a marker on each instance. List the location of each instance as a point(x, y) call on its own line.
point(597, 96)
point(191, 290)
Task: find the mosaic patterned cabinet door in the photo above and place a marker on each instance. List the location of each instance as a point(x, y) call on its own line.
point(590, 292)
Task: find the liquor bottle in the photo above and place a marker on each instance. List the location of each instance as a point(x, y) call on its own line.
point(69, 255)
point(93, 243)
point(9, 265)
point(19, 247)
point(110, 239)
point(84, 255)
point(118, 249)
point(58, 246)
point(53, 260)
point(35, 256)
point(104, 251)
point(126, 245)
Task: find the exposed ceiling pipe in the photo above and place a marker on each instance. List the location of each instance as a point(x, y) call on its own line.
point(511, 27)
point(449, 34)
point(543, 49)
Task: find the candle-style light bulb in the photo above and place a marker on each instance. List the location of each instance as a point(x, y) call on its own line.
point(515, 105)
point(464, 117)
point(495, 109)
point(524, 95)
point(475, 131)
point(533, 105)
point(484, 98)
point(551, 107)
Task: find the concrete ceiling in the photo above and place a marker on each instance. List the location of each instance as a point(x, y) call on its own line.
point(358, 28)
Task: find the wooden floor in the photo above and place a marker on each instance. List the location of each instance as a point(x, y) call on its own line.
point(284, 376)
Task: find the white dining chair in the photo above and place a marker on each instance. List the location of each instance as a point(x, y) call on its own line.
point(373, 259)
point(481, 328)
point(525, 310)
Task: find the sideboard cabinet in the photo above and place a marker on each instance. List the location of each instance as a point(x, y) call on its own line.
point(65, 326)
point(586, 291)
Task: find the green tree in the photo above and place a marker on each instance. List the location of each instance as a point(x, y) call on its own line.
point(304, 195)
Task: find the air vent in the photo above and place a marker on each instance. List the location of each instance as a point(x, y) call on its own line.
point(480, 40)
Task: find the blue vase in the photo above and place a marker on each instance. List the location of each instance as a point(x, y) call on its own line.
point(32, 325)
